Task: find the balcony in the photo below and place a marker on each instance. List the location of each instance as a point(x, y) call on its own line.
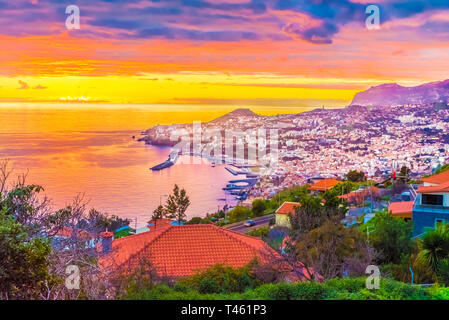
point(437, 209)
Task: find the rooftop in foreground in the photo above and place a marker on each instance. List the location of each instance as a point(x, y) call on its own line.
point(179, 251)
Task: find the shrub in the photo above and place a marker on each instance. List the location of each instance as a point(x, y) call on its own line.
point(221, 279)
point(259, 232)
point(334, 289)
point(258, 207)
point(389, 236)
point(239, 213)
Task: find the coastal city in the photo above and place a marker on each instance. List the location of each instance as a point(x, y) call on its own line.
point(328, 143)
point(216, 158)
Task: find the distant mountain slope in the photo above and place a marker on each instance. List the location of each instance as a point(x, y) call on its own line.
point(235, 114)
point(392, 94)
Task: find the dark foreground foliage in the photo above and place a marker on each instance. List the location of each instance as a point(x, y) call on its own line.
point(334, 289)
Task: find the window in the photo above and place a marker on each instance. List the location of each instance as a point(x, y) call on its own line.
point(432, 199)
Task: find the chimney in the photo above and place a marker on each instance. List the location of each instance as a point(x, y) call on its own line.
point(106, 241)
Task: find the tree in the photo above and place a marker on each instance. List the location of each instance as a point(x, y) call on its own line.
point(333, 250)
point(401, 271)
point(308, 215)
point(258, 207)
point(24, 264)
point(435, 247)
point(101, 221)
point(391, 237)
point(404, 171)
point(443, 271)
point(195, 220)
point(158, 213)
point(313, 211)
point(344, 188)
point(356, 176)
point(34, 254)
point(177, 204)
point(239, 213)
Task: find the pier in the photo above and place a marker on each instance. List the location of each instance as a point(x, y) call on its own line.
point(167, 163)
point(234, 172)
point(233, 186)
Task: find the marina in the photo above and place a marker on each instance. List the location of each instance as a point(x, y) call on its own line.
point(237, 187)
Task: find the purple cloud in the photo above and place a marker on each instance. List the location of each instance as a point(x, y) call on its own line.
point(202, 20)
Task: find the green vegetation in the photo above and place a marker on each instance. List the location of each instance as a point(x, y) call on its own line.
point(25, 266)
point(258, 207)
point(435, 252)
point(209, 218)
point(293, 194)
point(239, 213)
point(399, 255)
point(221, 279)
point(158, 213)
point(443, 168)
point(177, 204)
point(34, 263)
point(356, 176)
point(334, 289)
point(440, 169)
point(334, 250)
point(389, 236)
point(261, 232)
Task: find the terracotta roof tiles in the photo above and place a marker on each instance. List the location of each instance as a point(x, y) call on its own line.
point(402, 209)
point(443, 187)
point(324, 184)
point(437, 178)
point(287, 208)
point(178, 251)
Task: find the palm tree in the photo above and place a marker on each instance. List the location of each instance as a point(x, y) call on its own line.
point(435, 246)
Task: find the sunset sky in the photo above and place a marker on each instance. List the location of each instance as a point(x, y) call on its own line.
point(251, 52)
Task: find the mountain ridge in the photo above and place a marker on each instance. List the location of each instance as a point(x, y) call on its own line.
point(393, 94)
point(239, 112)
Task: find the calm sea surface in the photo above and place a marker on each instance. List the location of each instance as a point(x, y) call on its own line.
point(88, 149)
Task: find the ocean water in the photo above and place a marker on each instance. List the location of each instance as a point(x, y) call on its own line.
point(89, 150)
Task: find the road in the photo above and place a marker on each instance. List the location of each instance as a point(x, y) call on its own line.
point(240, 228)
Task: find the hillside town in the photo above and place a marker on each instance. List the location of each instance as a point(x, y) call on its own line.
point(328, 143)
point(346, 189)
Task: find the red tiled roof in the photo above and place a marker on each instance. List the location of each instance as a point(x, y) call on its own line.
point(438, 178)
point(178, 251)
point(403, 208)
point(443, 187)
point(324, 185)
point(287, 208)
point(354, 196)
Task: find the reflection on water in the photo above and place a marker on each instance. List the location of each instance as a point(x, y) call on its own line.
point(92, 152)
